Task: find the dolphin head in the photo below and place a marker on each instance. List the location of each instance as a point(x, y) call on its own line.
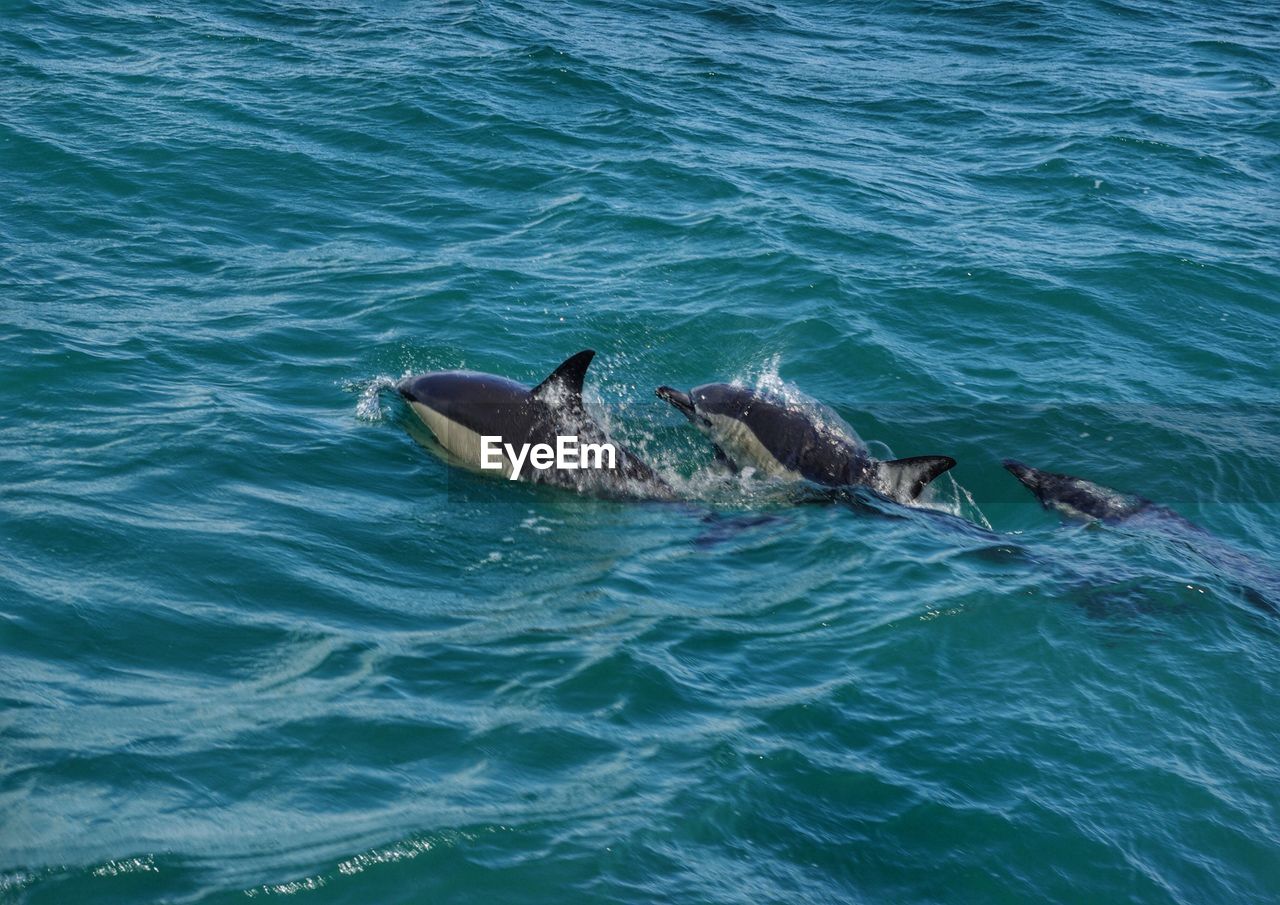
point(1029, 476)
point(723, 399)
point(682, 401)
point(722, 412)
point(481, 402)
point(437, 389)
point(718, 410)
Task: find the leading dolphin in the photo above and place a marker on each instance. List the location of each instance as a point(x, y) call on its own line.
point(463, 407)
point(794, 442)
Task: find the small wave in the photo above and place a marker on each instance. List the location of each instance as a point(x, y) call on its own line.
point(948, 495)
point(403, 850)
point(146, 864)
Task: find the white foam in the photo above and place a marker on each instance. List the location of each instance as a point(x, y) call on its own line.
point(369, 405)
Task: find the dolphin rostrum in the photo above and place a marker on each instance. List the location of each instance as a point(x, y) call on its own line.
point(486, 422)
point(794, 442)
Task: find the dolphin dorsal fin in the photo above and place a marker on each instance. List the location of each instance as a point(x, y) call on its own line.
point(905, 478)
point(566, 380)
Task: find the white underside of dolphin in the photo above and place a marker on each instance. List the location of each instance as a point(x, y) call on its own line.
point(464, 446)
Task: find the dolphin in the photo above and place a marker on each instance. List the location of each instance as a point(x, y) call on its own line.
point(795, 442)
point(1084, 500)
point(463, 408)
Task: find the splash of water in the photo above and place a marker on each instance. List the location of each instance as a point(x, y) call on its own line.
point(769, 382)
point(369, 405)
point(948, 495)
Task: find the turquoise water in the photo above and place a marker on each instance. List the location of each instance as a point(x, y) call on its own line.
point(257, 642)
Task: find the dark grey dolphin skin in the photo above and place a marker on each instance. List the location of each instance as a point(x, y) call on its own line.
point(1084, 500)
point(750, 428)
point(460, 407)
point(1080, 499)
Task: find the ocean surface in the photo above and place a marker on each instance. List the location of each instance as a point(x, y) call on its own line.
point(257, 642)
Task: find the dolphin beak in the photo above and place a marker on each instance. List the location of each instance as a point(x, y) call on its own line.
point(1024, 473)
point(678, 399)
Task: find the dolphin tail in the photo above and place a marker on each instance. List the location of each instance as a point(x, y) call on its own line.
point(906, 478)
point(566, 380)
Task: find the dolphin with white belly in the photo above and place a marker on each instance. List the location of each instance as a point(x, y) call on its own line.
point(794, 442)
point(463, 408)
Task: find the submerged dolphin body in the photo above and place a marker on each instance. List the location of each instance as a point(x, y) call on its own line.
point(789, 441)
point(1084, 500)
point(462, 407)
